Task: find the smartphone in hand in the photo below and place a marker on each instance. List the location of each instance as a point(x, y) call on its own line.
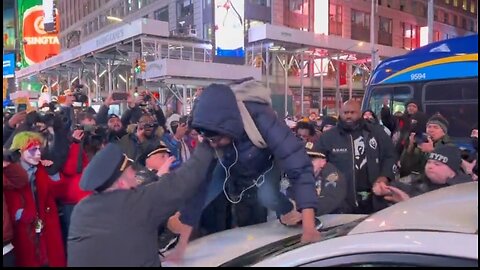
point(122, 96)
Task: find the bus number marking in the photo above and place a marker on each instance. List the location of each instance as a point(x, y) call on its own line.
point(418, 76)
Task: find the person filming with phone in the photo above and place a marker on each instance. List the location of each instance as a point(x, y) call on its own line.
point(414, 157)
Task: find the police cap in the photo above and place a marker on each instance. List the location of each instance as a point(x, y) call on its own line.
point(152, 149)
point(312, 151)
point(104, 168)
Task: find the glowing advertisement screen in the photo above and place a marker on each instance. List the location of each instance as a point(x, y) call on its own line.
point(37, 44)
point(8, 26)
point(229, 28)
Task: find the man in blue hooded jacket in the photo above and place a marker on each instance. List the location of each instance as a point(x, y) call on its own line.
point(218, 119)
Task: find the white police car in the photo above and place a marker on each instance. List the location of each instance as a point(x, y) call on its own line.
point(439, 228)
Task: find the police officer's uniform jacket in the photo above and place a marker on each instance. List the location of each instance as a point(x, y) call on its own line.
point(332, 191)
point(416, 184)
point(120, 227)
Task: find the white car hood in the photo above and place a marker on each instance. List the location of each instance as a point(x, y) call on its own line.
point(219, 248)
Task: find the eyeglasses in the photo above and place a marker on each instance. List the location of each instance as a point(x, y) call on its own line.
point(214, 139)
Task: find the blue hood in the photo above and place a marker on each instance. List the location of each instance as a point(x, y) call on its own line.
point(216, 110)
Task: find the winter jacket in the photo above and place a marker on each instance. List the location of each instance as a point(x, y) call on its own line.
point(37, 249)
point(415, 160)
point(71, 175)
point(14, 177)
point(132, 147)
point(217, 110)
point(416, 184)
point(338, 146)
point(120, 227)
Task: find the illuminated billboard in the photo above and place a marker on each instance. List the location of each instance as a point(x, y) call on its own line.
point(229, 28)
point(8, 25)
point(37, 45)
point(8, 65)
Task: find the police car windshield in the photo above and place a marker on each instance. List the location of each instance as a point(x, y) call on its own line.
point(288, 244)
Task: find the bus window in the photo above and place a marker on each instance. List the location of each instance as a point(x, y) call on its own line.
point(451, 90)
point(457, 101)
point(461, 118)
point(397, 97)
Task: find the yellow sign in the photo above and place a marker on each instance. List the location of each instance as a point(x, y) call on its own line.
point(5, 88)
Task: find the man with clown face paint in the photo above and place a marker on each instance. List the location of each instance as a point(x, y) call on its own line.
point(37, 234)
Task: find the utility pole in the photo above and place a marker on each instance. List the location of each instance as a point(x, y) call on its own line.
point(372, 33)
point(430, 21)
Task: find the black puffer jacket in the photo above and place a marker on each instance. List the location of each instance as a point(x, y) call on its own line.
point(337, 144)
point(217, 110)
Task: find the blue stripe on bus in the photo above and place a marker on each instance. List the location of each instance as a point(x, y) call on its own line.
point(438, 72)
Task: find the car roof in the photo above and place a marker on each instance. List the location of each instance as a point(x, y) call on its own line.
point(450, 209)
point(219, 248)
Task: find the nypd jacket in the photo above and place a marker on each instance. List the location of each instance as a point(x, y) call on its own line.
point(331, 190)
point(337, 144)
point(416, 184)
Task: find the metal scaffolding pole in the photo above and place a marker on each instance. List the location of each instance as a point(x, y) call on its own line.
point(372, 33)
point(97, 81)
point(302, 87)
point(267, 67)
point(58, 84)
point(184, 100)
point(350, 80)
point(109, 71)
point(321, 86)
point(286, 66)
point(49, 85)
point(337, 87)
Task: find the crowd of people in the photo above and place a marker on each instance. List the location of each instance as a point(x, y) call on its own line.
point(87, 188)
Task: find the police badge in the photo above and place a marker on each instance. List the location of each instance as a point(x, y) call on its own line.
point(331, 179)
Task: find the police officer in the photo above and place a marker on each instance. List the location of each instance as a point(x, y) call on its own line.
point(442, 170)
point(154, 159)
point(118, 224)
point(330, 183)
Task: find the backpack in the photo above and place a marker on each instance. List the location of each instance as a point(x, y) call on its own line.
point(255, 91)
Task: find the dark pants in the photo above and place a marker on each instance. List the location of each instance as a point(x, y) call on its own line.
point(9, 259)
point(65, 214)
point(249, 211)
point(217, 216)
point(268, 193)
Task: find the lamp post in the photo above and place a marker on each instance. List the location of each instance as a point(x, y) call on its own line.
point(372, 33)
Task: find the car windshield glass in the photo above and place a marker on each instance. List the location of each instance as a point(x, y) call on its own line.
point(288, 244)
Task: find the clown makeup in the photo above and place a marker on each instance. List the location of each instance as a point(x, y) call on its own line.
point(32, 155)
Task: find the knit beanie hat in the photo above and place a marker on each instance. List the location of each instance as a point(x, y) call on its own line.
point(25, 140)
point(449, 155)
point(329, 120)
point(438, 119)
point(412, 102)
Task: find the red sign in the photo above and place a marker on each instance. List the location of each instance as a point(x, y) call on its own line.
point(38, 44)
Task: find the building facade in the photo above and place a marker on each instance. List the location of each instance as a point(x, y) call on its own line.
point(398, 24)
